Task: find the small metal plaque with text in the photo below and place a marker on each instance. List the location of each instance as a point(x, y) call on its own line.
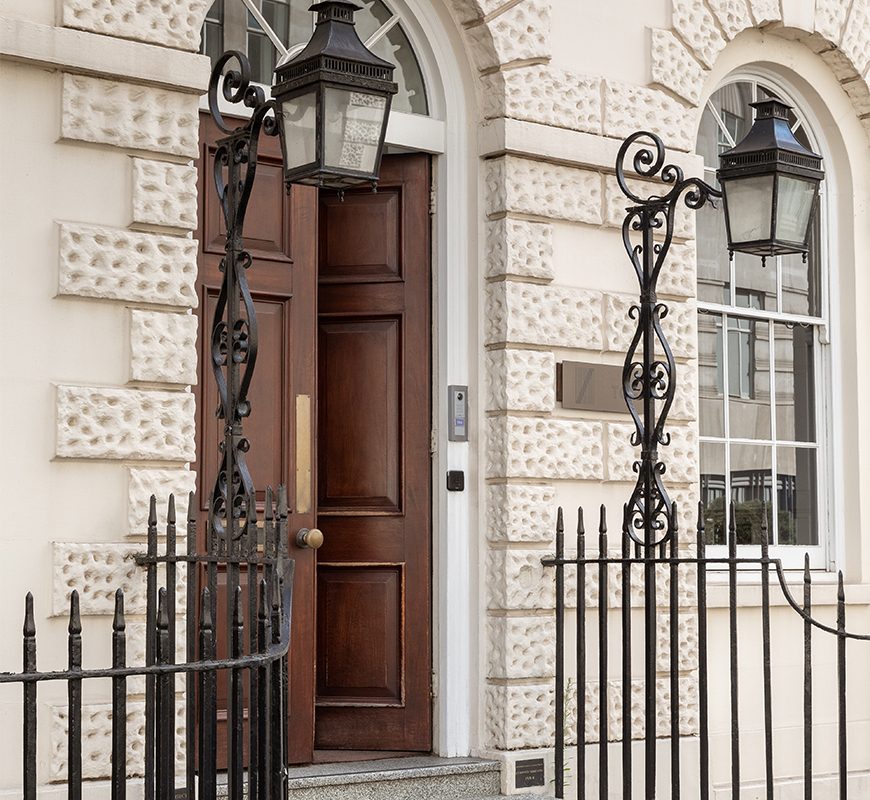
point(591, 387)
point(530, 773)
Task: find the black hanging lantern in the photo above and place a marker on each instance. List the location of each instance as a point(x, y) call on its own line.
point(333, 102)
point(771, 185)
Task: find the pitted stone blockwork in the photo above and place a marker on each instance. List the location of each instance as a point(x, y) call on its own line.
point(520, 380)
point(523, 186)
point(680, 326)
point(733, 15)
point(830, 17)
point(680, 456)
point(521, 33)
point(161, 483)
point(124, 423)
point(765, 11)
point(616, 203)
point(162, 347)
point(97, 740)
point(516, 579)
point(164, 194)
point(129, 115)
point(555, 316)
point(675, 68)
point(96, 570)
point(523, 447)
point(521, 647)
point(685, 405)
point(544, 94)
point(520, 716)
point(517, 247)
point(117, 264)
point(679, 275)
point(856, 38)
point(519, 513)
point(698, 28)
point(629, 108)
point(174, 23)
point(687, 642)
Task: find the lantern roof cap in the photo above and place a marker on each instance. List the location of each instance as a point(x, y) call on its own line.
point(769, 144)
point(335, 48)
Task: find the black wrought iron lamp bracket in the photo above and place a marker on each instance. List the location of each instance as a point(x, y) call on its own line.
point(234, 339)
point(649, 372)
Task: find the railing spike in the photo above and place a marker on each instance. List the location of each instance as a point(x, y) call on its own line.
point(29, 621)
point(152, 511)
point(118, 621)
point(808, 578)
point(560, 522)
point(170, 512)
point(602, 519)
point(268, 512)
point(732, 532)
point(581, 527)
point(75, 619)
point(765, 530)
point(191, 507)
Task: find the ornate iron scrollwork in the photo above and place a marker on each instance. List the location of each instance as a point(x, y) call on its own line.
point(648, 376)
point(234, 327)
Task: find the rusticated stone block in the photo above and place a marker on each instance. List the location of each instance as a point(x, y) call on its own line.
point(521, 33)
point(675, 68)
point(544, 94)
point(97, 740)
point(859, 94)
point(164, 194)
point(521, 647)
point(517, 247)
point(686, 641)
point(523, 447)
point(629, 108)
point(520, 513)
point(174, 23)
point(521, 380)
point(520, 716)
point(162, 347)
point(856, 38)
point(679, 275)
point(116, 264)
point(516, 579)
point(697, 26)
point(733, 15)
point(161, 483)
point(124, 423)
point(680, 326)
point(556, 316)
point(680, 456)
point(540, 189)
point(129, 115)
point(96, 570)
point(830, 18)
point(765, 11)
point(616, 203)
point(685, 405)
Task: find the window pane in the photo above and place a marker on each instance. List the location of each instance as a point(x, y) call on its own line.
point(713, 491)
point(748, 378)
point(800, 281)
point(711, 375)
point(714, 269)
point(751, 487)
point(751, 280)
point(795, 383)
point(796, 482)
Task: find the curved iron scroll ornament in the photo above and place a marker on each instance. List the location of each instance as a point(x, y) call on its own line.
point(234, 328)
point(649, 373)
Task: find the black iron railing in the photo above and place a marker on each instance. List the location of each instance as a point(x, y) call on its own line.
point(655, 599)
point(256, 638)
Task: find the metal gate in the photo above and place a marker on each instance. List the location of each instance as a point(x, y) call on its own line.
point(657, 581)
point(257, 635)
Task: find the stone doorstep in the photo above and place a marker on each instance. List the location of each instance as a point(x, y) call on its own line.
point(411, 778)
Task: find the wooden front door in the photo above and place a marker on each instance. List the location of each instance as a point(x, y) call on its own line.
point(340, 415)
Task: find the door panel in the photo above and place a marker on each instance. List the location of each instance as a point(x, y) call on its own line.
point(373, 579)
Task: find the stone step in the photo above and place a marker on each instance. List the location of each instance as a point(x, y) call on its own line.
point(414, 778)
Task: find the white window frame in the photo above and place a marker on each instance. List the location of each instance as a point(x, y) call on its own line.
point(822, 556)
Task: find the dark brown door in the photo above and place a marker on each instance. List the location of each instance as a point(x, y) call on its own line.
point(340, 414)
point(373, 499)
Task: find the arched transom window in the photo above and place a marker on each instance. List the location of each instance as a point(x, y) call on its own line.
point(229, 25)
point(762, 335)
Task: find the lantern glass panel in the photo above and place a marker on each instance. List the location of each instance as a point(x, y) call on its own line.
point(353, 121)
point(300, 120)
point(750, 202)
point(794, 204)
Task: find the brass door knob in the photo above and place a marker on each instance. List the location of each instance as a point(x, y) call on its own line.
point(310, 538)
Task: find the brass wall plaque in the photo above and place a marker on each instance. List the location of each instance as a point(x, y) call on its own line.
point(591, 387)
